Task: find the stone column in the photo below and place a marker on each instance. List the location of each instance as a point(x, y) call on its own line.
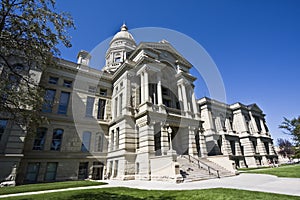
point(184, 98)
point(142, 88)
point(159, 90)
point(192, 144)
point(164, 141)
point(146, 84)
point(202, 143)
point(195, 107)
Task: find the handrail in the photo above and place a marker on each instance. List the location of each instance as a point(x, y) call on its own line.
point(198, 162)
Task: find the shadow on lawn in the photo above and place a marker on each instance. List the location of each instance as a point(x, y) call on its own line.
point(109, 196)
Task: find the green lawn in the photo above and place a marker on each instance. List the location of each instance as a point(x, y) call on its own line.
point(135, 194)
point(47, 186)
point(291, 171)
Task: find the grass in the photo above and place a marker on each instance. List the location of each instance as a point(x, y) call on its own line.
point(47, 186)
point(290, 171)
point(136, 194)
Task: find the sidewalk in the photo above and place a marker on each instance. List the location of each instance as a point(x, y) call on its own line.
point(253, 182)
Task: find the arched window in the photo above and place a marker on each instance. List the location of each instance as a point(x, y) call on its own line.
point(99, 142)
point(57, 139)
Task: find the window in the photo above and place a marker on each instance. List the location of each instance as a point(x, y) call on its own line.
point(117, 137)
point(165, 91)
point(98, 142)
point(254, 143)
point(92, 89)
point(48, 101)
point(57, 139)
point(116, 107)
point(103, 92)
point(63, 103)
point(120, 104)
point(51, 171)
point(3, 123)
point(232, 145)
point(83, 170)
point(257, 121)
point(86, 140)
point(101, 109)
point(53, 80)
point(118, 59)
point(32, 172)
point(267, 147)
point(89, 106)
point(39, 140)
point(67, 83)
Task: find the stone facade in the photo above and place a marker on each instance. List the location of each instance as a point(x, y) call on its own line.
point(131, 120)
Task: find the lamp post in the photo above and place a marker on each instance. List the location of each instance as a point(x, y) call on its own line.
point(170, 137)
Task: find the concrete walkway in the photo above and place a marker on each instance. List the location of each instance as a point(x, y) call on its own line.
point(253, 182)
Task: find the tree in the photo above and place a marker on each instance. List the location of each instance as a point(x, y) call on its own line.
point(30, 31)
point(292, 127)
point(285, 147)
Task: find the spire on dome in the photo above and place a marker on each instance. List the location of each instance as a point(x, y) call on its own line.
point(124, 27)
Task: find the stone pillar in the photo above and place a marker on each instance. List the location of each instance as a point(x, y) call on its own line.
point(262, 151)
point(262, 125)
point(248, 152)
point(202, 143)
point(195, 107)
point(164, 141)
point(142, 88)
point(159, 90)
point(253, 123)
point(146, 84)
point(184, 98)
point(192, 144)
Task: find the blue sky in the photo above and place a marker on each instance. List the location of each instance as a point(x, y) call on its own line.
point(255, 44)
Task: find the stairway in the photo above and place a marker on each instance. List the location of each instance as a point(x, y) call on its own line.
point(222, 171)
point(195, 169)
point(191, 171)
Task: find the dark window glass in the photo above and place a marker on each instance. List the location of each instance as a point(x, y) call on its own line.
point(101, 109)
point(86, 140)
point(98, 142)
point(83, 170)
point(53, 80)
point(51, 171)
point(89, 106)
point(48, 101)
point(63, 103)
point(39, 140)
point(67, 83)
point(32, 172)
point(103, 92)
point(57, 139)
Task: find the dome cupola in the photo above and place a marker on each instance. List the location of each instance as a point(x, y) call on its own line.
point(119, 49)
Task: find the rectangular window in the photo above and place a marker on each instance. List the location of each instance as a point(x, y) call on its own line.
point(3, 123)
point(83, 170)
point(117, 137)
point(98, 142)
point(267, 147)
point(112, 140)
point(103, 92)
point(92, 89)
point(39, 140)
point(254, 143)
point(63, 103)
point(53, 80)
point(101, 109)
point(89, 106)
point(86, 140)
point(116, 107)
point(48, 101)
point(232, 145)
point(120, 104)
point(51, 171)
point(32, 172)
point(57, 139)
point(67, 83)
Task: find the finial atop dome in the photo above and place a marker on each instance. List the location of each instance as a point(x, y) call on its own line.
point(124, 27)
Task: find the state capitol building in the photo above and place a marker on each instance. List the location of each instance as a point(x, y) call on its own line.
point(137, 118)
